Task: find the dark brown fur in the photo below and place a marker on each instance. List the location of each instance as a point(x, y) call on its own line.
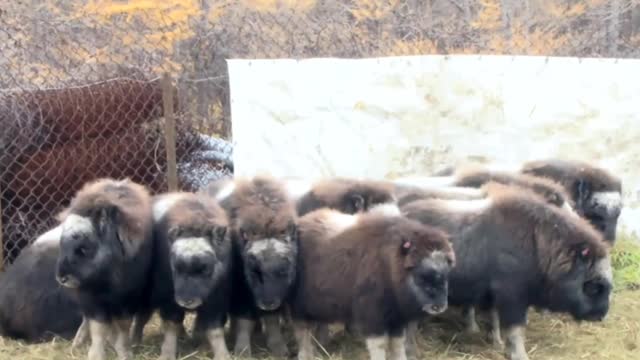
point(546, 236)
point(259, 207)
point(551, 191)
point(133, 200)
point(346, 195)
point(568, 173)
point(406, 194)
point(261, 213)
point(519, 251)
point(357, 275)
point(583, 182)
point(193, 216)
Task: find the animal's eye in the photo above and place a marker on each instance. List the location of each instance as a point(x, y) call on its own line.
point(81, 251)
point(256, 274)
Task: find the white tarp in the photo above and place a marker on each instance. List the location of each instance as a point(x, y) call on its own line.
point(381, 117)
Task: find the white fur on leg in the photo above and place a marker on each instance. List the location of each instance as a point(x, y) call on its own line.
point(515, 343)
point(137, 329)
point(302, 332)
point(121, 343)
point(472, 326)
point(82, 335)
point(496, 336)
point(219, 346)
point(397, 349)
point(170, 342)
point(377, 347)
point(244, 328)
point(275, 341)
point(411, 344)
point(99, 332)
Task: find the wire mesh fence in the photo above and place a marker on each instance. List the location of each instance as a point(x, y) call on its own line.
point(81, 94)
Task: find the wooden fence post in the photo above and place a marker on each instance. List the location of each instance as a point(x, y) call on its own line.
point(169, 132)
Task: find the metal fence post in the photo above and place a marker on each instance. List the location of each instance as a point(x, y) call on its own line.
point(169, 131)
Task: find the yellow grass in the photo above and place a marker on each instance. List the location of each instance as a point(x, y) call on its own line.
point(549, 337)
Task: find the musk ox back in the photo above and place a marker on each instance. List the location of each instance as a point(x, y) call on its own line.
point(407, 193)
point(105, 257)
point(514, 250)
point(596, 192)
point(476, 176)
point(263, 226)
point(192, 267)
point(347, 195)
point(377, 270)
point(33, 306)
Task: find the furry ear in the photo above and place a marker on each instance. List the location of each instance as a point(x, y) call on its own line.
point(174, 232)
point(292, 230)
point(582, 192)
point(105, 217)
point(107, 220)
point(218, 234)
point(242, 235)
point(451, 258)
point(357, 201)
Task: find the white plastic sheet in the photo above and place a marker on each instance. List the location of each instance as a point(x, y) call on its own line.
point(381, 117)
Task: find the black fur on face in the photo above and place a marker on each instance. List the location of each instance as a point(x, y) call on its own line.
point(197, 264)
point(584, 291)
point(90, 249)
point(270, 267)
point(428, 282)
point(601, 208)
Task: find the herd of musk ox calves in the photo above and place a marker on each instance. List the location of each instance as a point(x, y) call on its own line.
point(375, 255)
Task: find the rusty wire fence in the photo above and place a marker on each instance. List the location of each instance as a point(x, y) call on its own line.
point(89, 88)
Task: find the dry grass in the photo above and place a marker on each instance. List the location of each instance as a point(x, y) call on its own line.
point(550, 337)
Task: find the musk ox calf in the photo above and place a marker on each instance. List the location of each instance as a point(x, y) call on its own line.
point(474, 177)
point(105, 258)
point(33, 306)
point(346, 195)
point(514, 251)
point(192, 268)
point(264, 235)
point(597, 194)
point(377, 270)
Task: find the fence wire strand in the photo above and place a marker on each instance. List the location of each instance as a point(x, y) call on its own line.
point(80, 94)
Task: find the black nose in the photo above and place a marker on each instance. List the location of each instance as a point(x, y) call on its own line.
point(188, 302)
point(63, 279)
point(435, 308)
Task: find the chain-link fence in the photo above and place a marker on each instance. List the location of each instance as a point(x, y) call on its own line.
point(81, 94)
